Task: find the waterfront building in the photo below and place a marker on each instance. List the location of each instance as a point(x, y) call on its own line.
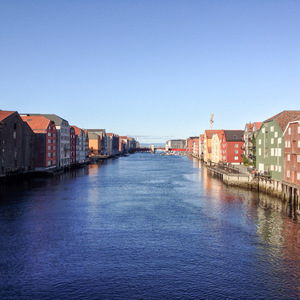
point(232, 146)
point(291, 164)
point(112, 144)
point(176, 144)
point(72, 146)
point(94, 143)
point(201, 146)
point(207, 144)
point(192, 144)
point(123, 144)
point(103, 141)
point(80, 145)
point(63, 139)
point(270, 146)
point(250, 133)
point(216, 141)
point(17, 144)
point(46, 141)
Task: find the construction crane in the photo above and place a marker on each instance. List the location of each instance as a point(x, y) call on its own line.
point(211, 121)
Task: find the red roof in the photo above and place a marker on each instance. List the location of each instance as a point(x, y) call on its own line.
point(4, 114)
point(258, 125)
point(209, 133)
point(77, 129)
point(38, 124)
point(284, 118)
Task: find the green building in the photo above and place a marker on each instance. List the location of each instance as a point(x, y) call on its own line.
point(270, 146)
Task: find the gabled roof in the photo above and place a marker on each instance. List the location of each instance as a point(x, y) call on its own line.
point(284, 118)
point(93, 136)
point(209, 133)
point(38, 124)
point(297, 120)
point(56, 119)
point(100, 132)
point(257, 125)
point(77, 129)
point(234, 135)
point(4, 114)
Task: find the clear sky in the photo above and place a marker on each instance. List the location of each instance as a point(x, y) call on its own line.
point(153, 69)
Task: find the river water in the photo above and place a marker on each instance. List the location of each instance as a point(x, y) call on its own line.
point(145, 227)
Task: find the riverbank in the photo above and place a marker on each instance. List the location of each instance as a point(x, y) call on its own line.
point(239, 176)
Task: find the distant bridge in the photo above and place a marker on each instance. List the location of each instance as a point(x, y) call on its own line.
point(148, 149)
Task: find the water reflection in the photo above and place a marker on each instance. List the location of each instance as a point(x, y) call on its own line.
point(145, 227)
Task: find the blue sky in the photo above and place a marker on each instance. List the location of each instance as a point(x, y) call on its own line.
point(154, 70)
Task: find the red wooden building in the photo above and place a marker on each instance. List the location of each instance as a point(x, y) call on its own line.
point(232, 146)
point(46, 139)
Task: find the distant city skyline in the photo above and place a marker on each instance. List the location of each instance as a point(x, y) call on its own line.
point(153, 70)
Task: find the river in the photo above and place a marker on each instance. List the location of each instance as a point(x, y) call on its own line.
point(145, 227)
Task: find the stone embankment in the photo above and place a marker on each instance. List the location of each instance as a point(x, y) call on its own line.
point(238, 176)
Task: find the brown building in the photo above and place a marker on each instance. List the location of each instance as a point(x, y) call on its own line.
point(17, 144)
point(291, 160)
point(46, 141)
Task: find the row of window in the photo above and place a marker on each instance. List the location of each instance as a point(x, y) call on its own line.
point(288, 174)
point(51, 134)
point(287, 144)
point(289, 158)
point(274, 152)
point(51, 162)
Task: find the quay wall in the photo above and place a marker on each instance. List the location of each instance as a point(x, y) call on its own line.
point(261, 184)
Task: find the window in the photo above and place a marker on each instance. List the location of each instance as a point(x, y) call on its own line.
point(49, 154)
point(276, 152)
point(279, 152)
point(259, 141)
point(279, 168)
point(49, 162)
point(235, 145)
point(298, 129)
point(263, 130)
point(298, 158)
point(290, 130)
point(49, 147)
point(298, 176)
point(272, 151)
point(272, 168)
point(49, 141)
point(288, 173)
point(276, 134)
point(272, 141)
point(279, 140)
point(236, 151)
point(236, 158)
point(272, 128)
point(299, 144)
point(14, 134)
point(49, 133)
point(288, 157)
point(259, 151)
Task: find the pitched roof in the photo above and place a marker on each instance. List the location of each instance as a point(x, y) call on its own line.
point(38, 124)
point(234, 135)
point(58, 120)
point(4, 114)
point(77, 129)
point(284, 117)
point(257, 125)
point(93, 136)
point(209, 133)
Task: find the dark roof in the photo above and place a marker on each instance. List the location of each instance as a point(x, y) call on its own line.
point(234, 135)
point(56, 119)
point(284, 118)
